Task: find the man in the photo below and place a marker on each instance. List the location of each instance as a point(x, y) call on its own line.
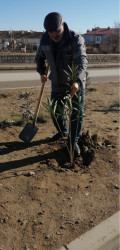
point(62, 48)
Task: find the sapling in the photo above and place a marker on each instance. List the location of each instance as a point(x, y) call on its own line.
point(69, 107)
point(27, 109)
point(24, 95)
point(27, 112)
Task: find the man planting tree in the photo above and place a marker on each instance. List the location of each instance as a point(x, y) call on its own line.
point(61, 48)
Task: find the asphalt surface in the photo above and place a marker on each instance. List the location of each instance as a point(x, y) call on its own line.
point(25, 76)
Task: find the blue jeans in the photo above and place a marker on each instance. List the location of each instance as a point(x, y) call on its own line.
point(76, 119)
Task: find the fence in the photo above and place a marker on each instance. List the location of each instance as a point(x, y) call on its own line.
point(30, 58)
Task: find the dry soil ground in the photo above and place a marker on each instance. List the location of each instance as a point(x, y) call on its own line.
point(44, 204)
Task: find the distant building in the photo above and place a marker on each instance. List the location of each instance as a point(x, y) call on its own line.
point(28, 39)
point(99, 39)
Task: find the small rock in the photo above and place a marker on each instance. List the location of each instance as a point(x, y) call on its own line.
point(22, 222)
point(91, 221)
point(27, 248)
point(69, 198)
point(109, 128)
point(62, 227)
point(76, 222)
point(36, 223)
point(116, 186)
point(47, 237)
point(41, 212)
point(107, 143)
point(30, 173)
point(75, 170)
point(5, 220)
point(90, 181)
point(85, 149)
point(57, 184)
point(55, 241)
point(100, 145)
point(41, 222)
point(16, 174)
point(69, 222)
point(65, 246)
point(58, 233)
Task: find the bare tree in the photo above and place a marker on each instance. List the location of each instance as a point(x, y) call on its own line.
point(112, 40)
point(117, 25)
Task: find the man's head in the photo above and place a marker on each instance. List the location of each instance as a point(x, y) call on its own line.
point(54, 25)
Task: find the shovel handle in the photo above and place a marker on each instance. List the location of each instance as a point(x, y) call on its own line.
point(40, 98)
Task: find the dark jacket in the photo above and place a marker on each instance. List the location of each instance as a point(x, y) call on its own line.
point(71, 49)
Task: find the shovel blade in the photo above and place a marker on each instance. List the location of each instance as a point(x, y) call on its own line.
point(28, 133)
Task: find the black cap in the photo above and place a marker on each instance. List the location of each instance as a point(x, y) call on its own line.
point(53, 21)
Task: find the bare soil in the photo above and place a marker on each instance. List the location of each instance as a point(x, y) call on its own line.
point(45, 204)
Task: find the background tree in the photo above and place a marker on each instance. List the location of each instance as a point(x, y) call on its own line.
point(112, 40)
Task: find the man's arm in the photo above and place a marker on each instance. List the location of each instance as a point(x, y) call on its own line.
point(40, 61)
point(80, 58)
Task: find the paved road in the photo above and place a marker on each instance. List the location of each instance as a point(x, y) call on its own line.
point(21, 79)
point(104, 75)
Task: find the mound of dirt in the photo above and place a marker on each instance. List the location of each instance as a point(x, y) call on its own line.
point(44, 202)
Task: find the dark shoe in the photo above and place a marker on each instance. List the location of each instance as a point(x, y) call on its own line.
point(58, 136)
point(76, 150)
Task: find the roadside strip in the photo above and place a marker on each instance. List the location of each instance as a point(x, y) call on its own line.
point(105, 236)
point(30, 66)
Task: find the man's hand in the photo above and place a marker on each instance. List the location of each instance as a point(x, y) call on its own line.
point(75, 88)
point(43, 78)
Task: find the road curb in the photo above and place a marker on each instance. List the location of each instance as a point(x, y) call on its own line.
point(104, 236)
point(33, 66)
point(17, 67)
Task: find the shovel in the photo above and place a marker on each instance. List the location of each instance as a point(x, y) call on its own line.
point(30, 130)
